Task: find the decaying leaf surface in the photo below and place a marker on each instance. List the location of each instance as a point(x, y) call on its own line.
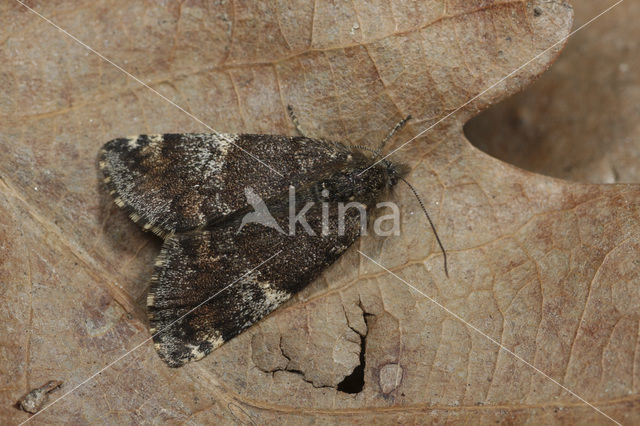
point(546, 267)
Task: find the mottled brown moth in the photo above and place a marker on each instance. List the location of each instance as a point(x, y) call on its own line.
point(193, 190)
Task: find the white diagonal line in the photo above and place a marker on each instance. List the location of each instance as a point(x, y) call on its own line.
point(494, 85)
point(101, 56)
point(500, 345)
point(145, 341)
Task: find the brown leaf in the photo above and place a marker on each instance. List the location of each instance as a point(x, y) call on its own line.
point(546, 267)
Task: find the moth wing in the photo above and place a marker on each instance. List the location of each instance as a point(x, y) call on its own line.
point(210, 285)
point(178, 182)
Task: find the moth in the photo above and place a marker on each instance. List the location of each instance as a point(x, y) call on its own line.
point(193, 190)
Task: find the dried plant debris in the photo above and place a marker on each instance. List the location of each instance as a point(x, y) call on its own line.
point(34, 400)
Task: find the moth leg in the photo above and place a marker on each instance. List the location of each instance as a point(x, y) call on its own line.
point(393, 131)
point(295, 121)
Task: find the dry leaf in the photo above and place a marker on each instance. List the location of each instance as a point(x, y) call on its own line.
point(546, 267)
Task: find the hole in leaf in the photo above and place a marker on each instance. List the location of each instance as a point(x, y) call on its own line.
point(354, 382)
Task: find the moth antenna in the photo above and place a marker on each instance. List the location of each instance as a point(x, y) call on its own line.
point(393, 131)
point(433, 227)
point(364, 148)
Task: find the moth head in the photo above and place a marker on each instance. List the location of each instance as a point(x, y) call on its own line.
point(356, 181)
point(395, 172)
